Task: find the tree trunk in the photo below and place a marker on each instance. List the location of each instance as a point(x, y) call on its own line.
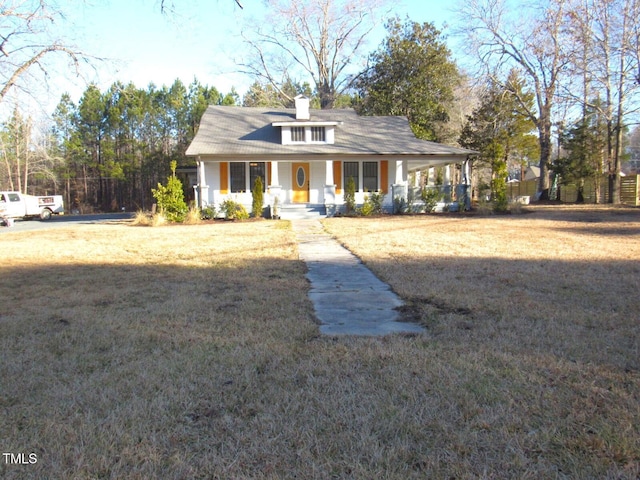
point(544, 131)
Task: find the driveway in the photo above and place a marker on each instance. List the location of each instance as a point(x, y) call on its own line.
point(64, 221)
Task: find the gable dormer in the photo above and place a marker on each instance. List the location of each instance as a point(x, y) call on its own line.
point(304, 130)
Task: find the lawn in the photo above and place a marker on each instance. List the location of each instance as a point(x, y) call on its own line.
point(184, 352)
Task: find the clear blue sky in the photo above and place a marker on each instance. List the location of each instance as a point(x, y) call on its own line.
point(144, 46)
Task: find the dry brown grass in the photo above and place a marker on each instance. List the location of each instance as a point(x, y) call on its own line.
point(191, 352)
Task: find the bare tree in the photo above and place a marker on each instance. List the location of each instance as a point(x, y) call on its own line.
point(27, 40)
point(531, 40)
point(320, 38)
point(169, 6)
point(605, 40)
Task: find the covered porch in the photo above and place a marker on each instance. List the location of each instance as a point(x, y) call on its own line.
point(321, 181)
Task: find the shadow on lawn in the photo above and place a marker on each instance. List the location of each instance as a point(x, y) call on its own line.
point(126, 371)
point(582, 311)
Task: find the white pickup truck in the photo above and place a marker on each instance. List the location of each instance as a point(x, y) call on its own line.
point(18, 205)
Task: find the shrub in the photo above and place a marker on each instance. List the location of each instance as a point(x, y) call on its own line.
point(158, 219)
point(372, 204)
point(141, 218)
point(170, 198)
point(257, 195)
point(208, 212)
point(430, 197)
point(193, 217)
point(350, 196)
point(234, 210)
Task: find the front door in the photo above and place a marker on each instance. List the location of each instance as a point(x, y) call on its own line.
point(300, 182)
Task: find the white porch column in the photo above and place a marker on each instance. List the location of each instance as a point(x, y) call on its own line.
point(275, 181)
point(328, 177)
point(399, 188)
point(275, 190)
point(202, 197)
point(466, 180)
point(329, 189)
point(401, 172)
point(447, 183)
point(465, 175)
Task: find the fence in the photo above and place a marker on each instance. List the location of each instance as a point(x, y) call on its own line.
point(629, 190)
point(518, 189)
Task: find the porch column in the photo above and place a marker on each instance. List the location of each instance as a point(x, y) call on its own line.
point(447, 183)
point(275, 181)
point(466, 180)
point(328, 174)
point(401, 172)
point(329, 189)
point(431, 177)
point(275, 190)
point(399, 187)
point(202, 189)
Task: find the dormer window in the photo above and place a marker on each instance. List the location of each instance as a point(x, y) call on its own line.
point(307, 132)
point(297, 134)
point(318, 134)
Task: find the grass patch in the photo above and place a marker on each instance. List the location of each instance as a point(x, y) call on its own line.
point(192, 352)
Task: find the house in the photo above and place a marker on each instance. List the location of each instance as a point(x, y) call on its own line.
point(306, 156)
point(532, 173)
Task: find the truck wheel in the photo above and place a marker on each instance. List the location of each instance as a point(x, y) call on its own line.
point(45, 214)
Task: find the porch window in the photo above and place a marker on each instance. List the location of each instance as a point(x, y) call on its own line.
point(351, 170)
point(297, 134)
point(370, 176)
point(318, 134)
point(238, 176)
point(257, 169)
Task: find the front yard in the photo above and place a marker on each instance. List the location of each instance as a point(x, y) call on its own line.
point(191, 352)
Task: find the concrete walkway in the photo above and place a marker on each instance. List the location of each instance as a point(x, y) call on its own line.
point(348, 298)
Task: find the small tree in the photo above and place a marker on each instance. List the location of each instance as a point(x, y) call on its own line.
point(258, 198)
point(350, 196)
point(170, 198)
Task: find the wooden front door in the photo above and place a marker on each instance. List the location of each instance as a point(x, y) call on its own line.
point(300, 182)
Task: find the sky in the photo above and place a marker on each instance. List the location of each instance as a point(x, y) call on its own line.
point(137, 43)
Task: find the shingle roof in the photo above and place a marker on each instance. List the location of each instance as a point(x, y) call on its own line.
point(249, 131)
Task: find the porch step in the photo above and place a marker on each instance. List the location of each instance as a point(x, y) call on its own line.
point(302, 211)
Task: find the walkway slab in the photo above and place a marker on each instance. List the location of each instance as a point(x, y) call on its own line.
point(347, 297)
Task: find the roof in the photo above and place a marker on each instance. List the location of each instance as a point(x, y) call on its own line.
point(244, 131)
point(532, 173)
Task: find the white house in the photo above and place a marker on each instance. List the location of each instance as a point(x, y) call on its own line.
point(305, 156)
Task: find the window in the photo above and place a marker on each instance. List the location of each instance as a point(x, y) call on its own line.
point(351, 171)
point(297, 134)
point(317, 134)
point(257, 169)
point(370, 176)
point(237, 172)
